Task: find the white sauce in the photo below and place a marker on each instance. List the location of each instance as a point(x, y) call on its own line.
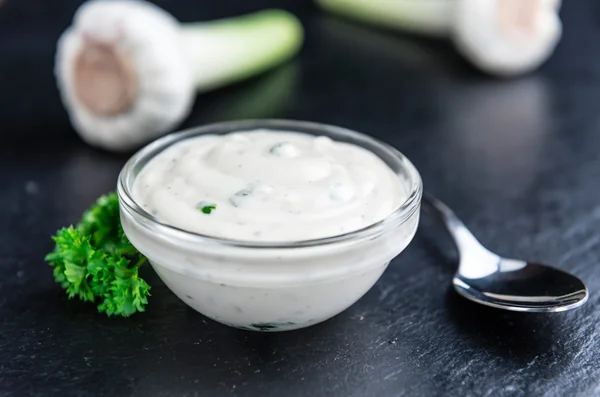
point(268, 186)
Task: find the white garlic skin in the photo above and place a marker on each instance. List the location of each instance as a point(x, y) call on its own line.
point(150, 39)
point(480, 38)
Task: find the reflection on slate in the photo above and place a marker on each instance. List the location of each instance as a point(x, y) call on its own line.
point(501, 127)
point(86, 175)
point(266, 96)
point(405, 52)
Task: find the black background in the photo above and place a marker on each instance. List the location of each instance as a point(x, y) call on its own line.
point(518, 160)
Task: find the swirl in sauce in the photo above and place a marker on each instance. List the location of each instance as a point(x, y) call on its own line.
point(265, 185)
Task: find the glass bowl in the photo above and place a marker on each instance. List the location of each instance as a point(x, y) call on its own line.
point(271, 286)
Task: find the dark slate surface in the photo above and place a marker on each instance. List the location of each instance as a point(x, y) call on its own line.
point(519, 161)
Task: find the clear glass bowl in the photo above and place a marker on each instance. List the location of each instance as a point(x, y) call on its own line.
point(271, 286)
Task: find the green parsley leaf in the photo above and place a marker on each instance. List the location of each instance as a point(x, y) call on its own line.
point(95, 261)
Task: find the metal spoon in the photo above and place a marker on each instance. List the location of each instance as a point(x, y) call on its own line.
point(509, 284)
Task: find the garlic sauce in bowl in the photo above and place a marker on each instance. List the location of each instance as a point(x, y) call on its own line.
point(267, 185)
point(269, 225)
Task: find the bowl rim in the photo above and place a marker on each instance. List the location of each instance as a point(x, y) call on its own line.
point(398, 217)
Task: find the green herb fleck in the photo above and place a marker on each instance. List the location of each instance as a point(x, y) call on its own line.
point(206, 207)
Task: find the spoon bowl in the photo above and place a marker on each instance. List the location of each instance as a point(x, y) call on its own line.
point(511, 284)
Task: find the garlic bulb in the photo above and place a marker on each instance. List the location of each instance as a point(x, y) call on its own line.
point(128, 71)
point(507, 37)
point(500, 37)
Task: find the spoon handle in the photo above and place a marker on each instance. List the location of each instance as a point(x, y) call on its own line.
point(463, 238)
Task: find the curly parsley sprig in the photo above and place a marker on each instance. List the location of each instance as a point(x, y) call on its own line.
point(95, 261)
